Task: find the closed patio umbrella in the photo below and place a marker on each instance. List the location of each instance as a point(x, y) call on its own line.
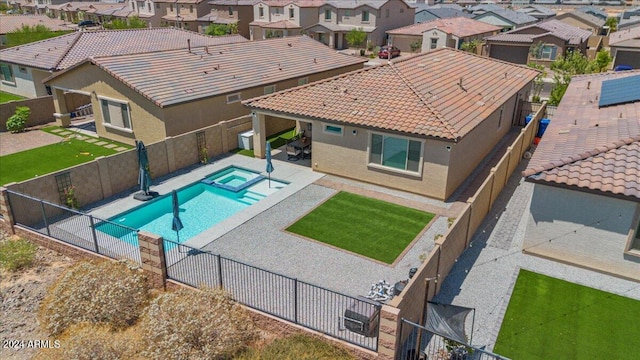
point(177, 223)
point(144, 177)
point(269, 164)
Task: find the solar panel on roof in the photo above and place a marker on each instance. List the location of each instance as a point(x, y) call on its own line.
point(620, 91)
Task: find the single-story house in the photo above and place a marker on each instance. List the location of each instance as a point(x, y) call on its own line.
point(150, 96)
point(537, 11)
point(10, 23)
point(629, 18)
point(506, 19)
point(25, 67)
point(625, 47)
point(541, 43)
point(584, 21)
point(450, 32)
point(419, 124)
point(425, 12)
point(585, 207)
point(592, 10)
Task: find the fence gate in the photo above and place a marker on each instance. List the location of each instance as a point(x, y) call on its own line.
point(421, 344)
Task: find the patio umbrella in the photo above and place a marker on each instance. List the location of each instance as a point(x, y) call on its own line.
point(144, 177)
point(269, 164)
point(177, 223)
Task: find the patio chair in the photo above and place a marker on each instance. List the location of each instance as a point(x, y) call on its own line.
point(306, 153)
point(292, 152)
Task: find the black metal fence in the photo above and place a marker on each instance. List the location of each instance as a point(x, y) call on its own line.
point(424, 344)
point(354, 320)
point(74, 227)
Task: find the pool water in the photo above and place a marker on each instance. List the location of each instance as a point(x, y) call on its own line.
point(233, 178)
point(201, 207)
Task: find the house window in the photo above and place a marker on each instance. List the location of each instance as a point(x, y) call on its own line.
point(269, 89)
point(115, 113)
point(261, 12)
point(365, 16)
point(191, 8)
point(6, 74)
point(233, 98)
point(292, 13)
point(230, 11)
point(548, 52)
point(386, 13)
point(347, 13)
point(303, 81)
point(327, 14)
point(434, 43)
point(278, 10)
point(395, 152)
point(333, 129)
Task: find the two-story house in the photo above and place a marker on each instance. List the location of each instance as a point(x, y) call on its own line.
point(277, 18)
point(146, 11)
point(228, 12)
point(182, 14)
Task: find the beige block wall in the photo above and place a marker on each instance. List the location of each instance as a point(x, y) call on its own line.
point(403, 42)
point(348, 156)
point(42, 110)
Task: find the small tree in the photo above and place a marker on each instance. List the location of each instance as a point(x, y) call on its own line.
point(356, 37)
point(415, 46)
point(538, 82)
point(601, 62)
point(221, 29)
point(561, 82)
point(612, 23)
point(470, 46)
point(18, 121)
point(132, 23)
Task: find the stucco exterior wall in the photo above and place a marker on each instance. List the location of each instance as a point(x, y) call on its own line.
point(586, 229)
point(400, 14)
point(403, 42)
point(27, 82)
point(440, 35)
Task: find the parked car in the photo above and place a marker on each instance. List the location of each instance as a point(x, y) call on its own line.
point(386, 49)
point(88, 23)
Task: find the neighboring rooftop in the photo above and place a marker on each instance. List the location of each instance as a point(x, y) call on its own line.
point(514, 17)
point(539, 10)
point(557, 28)
point(222, 69)
point(443, 93)
point(630, 37)
point(590, 147)
point(443, 12)
point(459, 26)
point(64, 51)
point(9, 23)
point(592, 10)
point(584, 17)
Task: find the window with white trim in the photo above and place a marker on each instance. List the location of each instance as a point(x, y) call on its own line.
point(333, 129)
point(269, 89)
point(261, 12)
point(232, 98)
point(548, 52)
point(303, 81)
point(6, 74)
point(327, 14)
point(395, 152)
point(292, 13)
point(365, 16)
point(434, 43)
point(115, 113)
point(230, 8)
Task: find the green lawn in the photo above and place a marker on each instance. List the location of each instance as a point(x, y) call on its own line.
point(549, 318)
point(369, 227)
point(6, 97)
point(43, 160)
point(276, 141)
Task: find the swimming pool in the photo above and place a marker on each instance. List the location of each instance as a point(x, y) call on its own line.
point(202, 205)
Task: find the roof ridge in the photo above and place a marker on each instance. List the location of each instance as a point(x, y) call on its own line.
point(454, 133)
point(66, 52)
point(582, 156)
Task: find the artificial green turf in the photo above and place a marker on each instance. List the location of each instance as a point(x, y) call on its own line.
point(548, 318)
point(276, 140)
point(43, 160)
point(369, 227)
point(6, 97)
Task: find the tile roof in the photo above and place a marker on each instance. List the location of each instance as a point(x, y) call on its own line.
point(624, 35)
point(514, 17)
point(341, 27)
point(234, 2)
point(424, 6)
point(300, 3)
point(280, 24)
point(181, 17)
point(64, 51)
point(584, 17)
point(444, 13)
point(536, 9)
point(590, 147)
point(557, 28)
point(222, 69)
point(443, 93)
point(459, 26)
point(9, 23)
point(352, 4)
point(213, 18)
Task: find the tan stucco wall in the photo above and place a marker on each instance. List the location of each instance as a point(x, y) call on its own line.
point(403, 42)
point(27, 84)
point(579, 24)
point(471, 149)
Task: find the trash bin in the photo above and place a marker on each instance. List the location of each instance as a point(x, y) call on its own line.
point(527, 119)
point(245, 140)
point(362, 318)
point(543, 126)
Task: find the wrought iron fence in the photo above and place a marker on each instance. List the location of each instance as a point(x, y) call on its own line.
point(354, 320)
point(74, 227)
point(421, 343)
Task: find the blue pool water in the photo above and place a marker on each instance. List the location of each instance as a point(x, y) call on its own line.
point(201, 206)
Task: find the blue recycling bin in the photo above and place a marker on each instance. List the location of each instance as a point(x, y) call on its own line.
point(527, 119)
point(543, 127)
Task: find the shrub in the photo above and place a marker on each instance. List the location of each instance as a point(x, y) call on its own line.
point(106, 292)
point(301, 347)
point(195, 325)
point(17, 254)
point(18, 121)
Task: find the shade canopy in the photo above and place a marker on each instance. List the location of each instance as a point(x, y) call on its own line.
point(144, 175)
point(269, 164)
point(177, 223)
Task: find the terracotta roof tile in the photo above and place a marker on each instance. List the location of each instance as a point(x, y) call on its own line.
point(600, 146)
point(624, 35)
point(443, 93)
point(458, 26)
point(528, 34)
point(9, 23)
point(221, 69)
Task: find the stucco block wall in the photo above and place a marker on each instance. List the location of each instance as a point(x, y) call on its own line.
point(585, 229)
point(41, 111)
point(23, 84)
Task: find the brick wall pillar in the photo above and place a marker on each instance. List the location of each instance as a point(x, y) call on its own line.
point(153, 261)
point(5, 211)
point(389, 332)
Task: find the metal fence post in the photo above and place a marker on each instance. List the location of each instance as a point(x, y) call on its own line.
point(220, 271)
point(93, 233)
point(44, 218)
point(295, 300)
